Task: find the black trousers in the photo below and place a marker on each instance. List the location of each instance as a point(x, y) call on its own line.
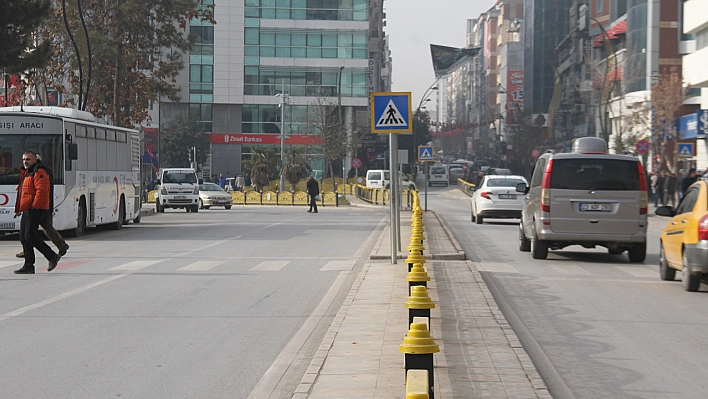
point(29, 229)
point(313, 203)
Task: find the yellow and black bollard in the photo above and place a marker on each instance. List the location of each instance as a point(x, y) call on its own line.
point(418, 303)
point(418, 348)
point(417, 276)
point(414, 256)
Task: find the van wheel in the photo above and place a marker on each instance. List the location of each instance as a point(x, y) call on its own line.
point(665, 271)
point(539, 248)
point(691, 282)
point(524, 243)
point(137, 219)
point(201, 204)
point(159, 208)
point(480, 219)
point(227, 207)
point(195, 208)
point(638, 253)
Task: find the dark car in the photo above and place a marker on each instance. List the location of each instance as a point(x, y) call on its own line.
point(455, 172)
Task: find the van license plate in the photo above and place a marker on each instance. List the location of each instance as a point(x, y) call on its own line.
point(507, 196)
point(596, 207)
point(180, 197)
point(7, 225)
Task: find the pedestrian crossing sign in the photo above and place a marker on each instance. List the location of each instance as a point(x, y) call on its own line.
point(391, 112)
point(685, 150)
point(425, 153)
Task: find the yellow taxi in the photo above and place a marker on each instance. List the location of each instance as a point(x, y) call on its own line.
point(684, 240)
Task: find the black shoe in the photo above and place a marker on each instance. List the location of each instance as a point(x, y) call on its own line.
point(20, 255)
point(25, 270)
point(63, 249)
point(53, 263)
point(315, 212)
point(309, 211)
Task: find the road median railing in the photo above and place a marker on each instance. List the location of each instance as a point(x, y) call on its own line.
point(417, 384)
point(466, 187)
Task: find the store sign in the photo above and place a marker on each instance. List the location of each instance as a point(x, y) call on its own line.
point(264, 139)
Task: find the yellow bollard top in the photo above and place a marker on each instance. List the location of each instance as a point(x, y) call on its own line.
point(415, 245)
point(415, 257)
point(418, 341)
point(417, 384)
point(417, 274)
point(419, 299)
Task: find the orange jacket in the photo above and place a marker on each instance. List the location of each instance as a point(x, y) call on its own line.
point(34, 190)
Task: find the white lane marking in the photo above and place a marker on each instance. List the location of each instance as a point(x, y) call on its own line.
point(269, 266)
point(338, 265)
point(497, 267)
point(641, 272)
point(135, 265)
point(60, 297)
point(6, 263)
point(202, 266)
point(571, 270)
point(275, 372)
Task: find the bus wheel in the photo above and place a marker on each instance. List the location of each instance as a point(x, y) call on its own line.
point(118, 224)
point(80, 228)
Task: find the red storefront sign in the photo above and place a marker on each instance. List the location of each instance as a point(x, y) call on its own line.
point(264, 139)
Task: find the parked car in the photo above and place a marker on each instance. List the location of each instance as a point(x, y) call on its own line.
point(455, 172)
point(586, 197)
point(496, 197)
point(438, 175)
point(210, 194)
point(380, 178)
point(684, 240)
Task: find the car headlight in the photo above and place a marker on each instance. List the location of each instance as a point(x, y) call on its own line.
point(196, 191)
point(163, 191)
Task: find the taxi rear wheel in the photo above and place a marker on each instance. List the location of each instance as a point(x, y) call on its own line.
point(691, 282)
point(665, 271)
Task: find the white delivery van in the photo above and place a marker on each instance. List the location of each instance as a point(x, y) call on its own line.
point(438, 175)
point(177, 188)
point(377, 178)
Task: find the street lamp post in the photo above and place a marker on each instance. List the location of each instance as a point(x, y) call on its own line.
point(284, 98)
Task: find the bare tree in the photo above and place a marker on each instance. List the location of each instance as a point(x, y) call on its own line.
point(667, 97)
point(324, 121)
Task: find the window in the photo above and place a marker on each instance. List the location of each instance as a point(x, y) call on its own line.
point(688, 201)
point(595, 174)
point(201, 73)
point(538, 172)
point(202, 34)
point(599, 6)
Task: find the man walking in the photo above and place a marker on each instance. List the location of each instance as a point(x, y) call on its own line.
point(313, 190)
point(689, 179)
point(48, 222)
point(34, 202)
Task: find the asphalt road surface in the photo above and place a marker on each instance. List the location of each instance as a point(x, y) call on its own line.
point(215, 304)
point(595, 325)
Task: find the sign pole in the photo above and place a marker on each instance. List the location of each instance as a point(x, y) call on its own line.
point(393, 143)
point(426, 187)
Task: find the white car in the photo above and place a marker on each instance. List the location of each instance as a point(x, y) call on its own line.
point(496, 197)
point(210, 194)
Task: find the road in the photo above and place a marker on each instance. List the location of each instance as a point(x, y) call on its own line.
point(183, 305)
point(595, 325)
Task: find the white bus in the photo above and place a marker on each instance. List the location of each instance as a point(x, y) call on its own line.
point(96, 167)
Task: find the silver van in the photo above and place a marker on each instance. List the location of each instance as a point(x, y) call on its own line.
point(588, 198)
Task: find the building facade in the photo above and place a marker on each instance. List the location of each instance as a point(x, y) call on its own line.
point(262, 53)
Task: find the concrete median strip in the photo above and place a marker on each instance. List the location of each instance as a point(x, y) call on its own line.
point(480, 355)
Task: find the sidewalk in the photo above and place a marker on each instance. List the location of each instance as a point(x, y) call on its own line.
point(480, 356)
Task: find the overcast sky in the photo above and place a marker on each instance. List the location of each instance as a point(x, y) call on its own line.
point(412, 25)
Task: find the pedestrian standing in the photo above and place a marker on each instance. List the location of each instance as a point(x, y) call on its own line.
point(35, 201)
point(686, 182)
point(670, 189)
point(240, 182)
point(659, 189)
point(313, 190)
point(222, 181)
point(654, 194)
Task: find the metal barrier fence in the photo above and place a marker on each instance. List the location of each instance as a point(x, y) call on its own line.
point(465, 187)
point(251, 197)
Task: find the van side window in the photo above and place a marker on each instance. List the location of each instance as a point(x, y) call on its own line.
point(688, 201)
point(538, 171)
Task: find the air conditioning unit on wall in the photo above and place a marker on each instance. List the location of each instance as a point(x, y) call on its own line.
point(579, 108)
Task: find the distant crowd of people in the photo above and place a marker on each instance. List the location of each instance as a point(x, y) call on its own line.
point(669, 189)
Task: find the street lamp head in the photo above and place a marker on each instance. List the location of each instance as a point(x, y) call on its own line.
point(434, 88)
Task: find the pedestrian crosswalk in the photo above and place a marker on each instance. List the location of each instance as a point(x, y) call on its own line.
point(172, 265)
